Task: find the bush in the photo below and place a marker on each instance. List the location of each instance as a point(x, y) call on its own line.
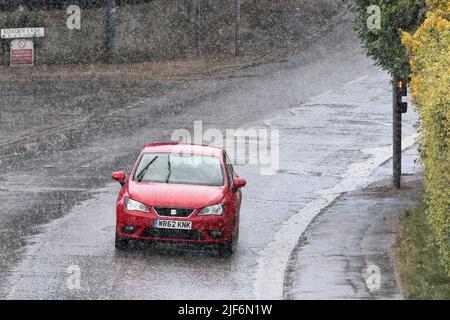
point(429, 52)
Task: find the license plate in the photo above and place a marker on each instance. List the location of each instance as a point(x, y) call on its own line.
point(173, 224)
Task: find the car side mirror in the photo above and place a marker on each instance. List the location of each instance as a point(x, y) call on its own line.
point(239, 183)
point(120, 177)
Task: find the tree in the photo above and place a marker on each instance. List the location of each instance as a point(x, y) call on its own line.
point(382, 42)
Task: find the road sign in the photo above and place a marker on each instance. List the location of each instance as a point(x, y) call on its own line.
point(21, 33)
point(22, 52)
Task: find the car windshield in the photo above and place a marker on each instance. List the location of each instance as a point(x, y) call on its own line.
point(180, 169)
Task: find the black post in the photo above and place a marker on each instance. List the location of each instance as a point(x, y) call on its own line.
point(397, 131)
point(237, 28)
point(7, 49)
point(111, 31)
point(4, 50)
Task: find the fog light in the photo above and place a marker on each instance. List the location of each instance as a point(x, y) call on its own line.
point(129, 229)
point(216, 234)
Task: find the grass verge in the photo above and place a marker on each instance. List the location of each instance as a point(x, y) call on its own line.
point(422, 275)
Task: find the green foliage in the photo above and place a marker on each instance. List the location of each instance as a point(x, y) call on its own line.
point(422, 274)
point(384, 45)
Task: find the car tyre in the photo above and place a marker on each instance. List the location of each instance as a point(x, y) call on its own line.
point(122, 243)
point(226, 249)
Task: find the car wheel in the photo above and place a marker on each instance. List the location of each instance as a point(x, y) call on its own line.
point(121, 243)
point(226, 249)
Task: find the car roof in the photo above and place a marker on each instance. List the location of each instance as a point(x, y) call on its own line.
point(184, 148)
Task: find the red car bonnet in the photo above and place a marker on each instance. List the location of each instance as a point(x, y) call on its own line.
point(176, 195)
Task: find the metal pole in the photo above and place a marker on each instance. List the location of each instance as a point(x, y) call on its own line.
point(200, 25)
point(397, 133)
point(237, 26)
point(111, 31)
point(7, 53)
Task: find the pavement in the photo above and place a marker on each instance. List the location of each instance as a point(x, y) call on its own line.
point(332, 109)
point(348, 251)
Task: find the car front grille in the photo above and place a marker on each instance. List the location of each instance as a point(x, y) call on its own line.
point(173, 212)
point(171, 234)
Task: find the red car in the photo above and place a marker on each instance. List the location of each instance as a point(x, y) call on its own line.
point(180, 193)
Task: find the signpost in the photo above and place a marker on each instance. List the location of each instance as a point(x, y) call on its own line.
point(22, 33)
point(22, 45)
point(22, 52)
point(399, 107)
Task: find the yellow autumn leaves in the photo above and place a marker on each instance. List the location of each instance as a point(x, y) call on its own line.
point(429, 52)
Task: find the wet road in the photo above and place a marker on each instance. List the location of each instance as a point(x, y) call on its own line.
point(355, 237)
point(332, 108)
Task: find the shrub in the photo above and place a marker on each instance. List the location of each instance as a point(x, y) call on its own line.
point(429, 52)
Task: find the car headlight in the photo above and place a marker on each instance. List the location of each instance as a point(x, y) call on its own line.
point(133, 205)
point(216, 210)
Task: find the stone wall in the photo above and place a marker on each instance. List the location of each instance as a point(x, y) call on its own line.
point(168, 29)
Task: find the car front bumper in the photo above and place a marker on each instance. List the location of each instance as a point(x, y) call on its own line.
point(205, 229)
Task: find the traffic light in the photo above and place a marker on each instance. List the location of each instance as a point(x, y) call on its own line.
point(403, 90)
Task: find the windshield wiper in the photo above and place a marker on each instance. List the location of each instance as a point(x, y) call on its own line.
point(141, 174)
point(169, 168)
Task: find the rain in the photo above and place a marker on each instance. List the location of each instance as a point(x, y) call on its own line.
point(284, 87)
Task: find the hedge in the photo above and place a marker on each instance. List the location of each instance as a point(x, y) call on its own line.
point(429, 52)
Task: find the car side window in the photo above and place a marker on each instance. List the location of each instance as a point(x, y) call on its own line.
point(229, 168)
